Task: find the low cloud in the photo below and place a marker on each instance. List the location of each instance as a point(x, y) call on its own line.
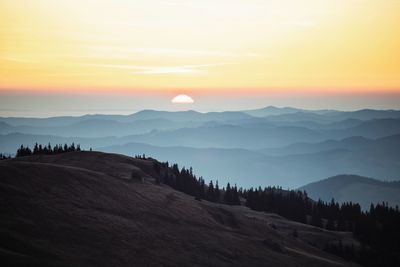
point(165, 51)
point(183, 69)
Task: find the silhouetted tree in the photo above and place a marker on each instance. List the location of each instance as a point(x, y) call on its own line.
point(211, 191)
point(23, 151)
point(40, 149)
point(217, 191)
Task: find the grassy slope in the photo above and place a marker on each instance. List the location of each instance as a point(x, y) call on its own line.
point(81, 209)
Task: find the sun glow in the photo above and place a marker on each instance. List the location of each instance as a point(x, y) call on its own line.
point(262, 45)
point(182, 99)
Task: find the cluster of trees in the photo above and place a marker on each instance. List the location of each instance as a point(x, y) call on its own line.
point(3, 156)
point(143, 156)
point(40, 149)
point(297, 206)
point(379, 234)
point(185, 181)
point(231, 195)
point(293, 205)
point(376, 229)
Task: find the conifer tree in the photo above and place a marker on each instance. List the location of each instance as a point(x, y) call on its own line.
point(217, 191)
point(211, 191)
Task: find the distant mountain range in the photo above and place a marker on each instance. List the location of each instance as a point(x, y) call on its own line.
point(384, 146)
point(271, 113)
point(377, 158)
point(268, 146)
point(98, 127)
point(222, 134)
point(358, 189)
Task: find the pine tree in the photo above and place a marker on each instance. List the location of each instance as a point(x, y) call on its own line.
point(72, 147)
point(36, 149)
point(217, 192)
point(211, 192)
point(49, 149)
point(40, 151)
point(235, 196)
point(228, 194)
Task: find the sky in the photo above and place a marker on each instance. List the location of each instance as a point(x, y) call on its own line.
point(64, 57)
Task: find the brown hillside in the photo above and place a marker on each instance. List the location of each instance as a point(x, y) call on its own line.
point(83, 209)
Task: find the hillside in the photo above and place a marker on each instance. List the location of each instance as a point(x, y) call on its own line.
point(84, 209)
point(362, 190)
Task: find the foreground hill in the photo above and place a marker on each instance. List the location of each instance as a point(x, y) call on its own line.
point(84, 209)
point(358, 189)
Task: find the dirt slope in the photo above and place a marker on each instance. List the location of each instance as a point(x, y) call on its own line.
point(82, 209)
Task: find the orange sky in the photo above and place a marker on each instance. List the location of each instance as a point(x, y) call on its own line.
point(201, 46)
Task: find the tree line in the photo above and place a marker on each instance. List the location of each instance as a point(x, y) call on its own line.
point(377, 229)
point(185, 181)
point(3, 156)
point(48, 149)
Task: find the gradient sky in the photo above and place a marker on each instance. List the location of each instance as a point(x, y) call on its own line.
point(246, 52)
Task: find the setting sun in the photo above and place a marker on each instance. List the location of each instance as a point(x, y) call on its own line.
point(182, 99)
